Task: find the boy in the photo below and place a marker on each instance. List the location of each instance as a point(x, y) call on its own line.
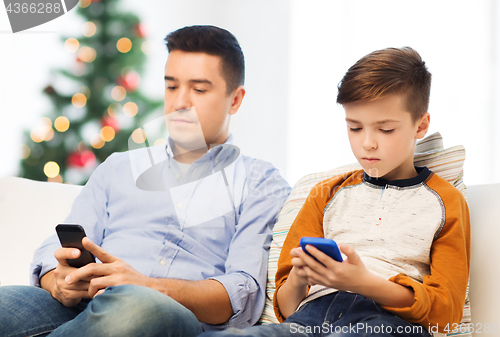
point(404, 231)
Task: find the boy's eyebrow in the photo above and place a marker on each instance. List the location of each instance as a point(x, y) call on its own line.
point(202, 81)
point(378, 122)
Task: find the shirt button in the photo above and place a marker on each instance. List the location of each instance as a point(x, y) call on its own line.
point(163, 262)
point(177, 176)
point(179, 205)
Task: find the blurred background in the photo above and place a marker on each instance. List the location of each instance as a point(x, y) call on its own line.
point(74, 89)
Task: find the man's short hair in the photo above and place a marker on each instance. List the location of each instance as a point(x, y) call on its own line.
point(213, 41)
point(388, 71)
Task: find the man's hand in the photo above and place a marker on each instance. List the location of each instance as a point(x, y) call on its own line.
point(54, 281)
point(111, 272)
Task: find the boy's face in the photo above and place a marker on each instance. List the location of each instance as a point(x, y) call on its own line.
point(383, 135)
point(195, 80)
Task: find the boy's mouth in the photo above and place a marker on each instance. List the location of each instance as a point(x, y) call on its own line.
point(370, 160)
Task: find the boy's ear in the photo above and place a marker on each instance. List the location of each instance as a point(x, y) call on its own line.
point(423, 125)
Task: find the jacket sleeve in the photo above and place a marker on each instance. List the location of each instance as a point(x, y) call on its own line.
point(439, 300)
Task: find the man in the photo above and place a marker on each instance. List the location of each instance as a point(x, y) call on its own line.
point(182, 231)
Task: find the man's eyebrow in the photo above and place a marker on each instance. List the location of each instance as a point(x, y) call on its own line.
point(202, 81)
point(198, 81)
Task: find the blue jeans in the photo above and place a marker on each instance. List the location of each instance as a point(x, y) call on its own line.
point(337, 314)
point(119, 311)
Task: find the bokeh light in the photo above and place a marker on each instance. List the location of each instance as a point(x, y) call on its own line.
point(87, 54)
point(118, 93)
point(130, 109)
point(160, 142)
point(71, 45)
point(124, 45)
point(48, 135)
point(107, 133)
point(147, 47)
point(25, 151)
point(56, 179)
point(139, 136)
point(61, 124)
point(51, 169)
point(79, 100)
point(114, 109)
point(84, 3)
point(97, 142)
point(89, 29)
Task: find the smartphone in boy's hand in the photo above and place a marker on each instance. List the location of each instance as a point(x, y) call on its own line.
point(70, 236)
point(327, 246)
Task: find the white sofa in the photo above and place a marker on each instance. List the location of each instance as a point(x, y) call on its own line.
point(29, 211)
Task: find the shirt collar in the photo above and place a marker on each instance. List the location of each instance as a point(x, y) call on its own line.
point(423, 174)
point(219, 151)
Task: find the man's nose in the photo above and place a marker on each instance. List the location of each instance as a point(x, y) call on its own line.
point(182, 100)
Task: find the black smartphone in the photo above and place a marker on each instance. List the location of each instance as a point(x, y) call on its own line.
point(70, 236)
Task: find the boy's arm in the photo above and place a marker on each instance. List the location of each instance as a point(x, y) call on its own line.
point(439, 300)
point(309, 222)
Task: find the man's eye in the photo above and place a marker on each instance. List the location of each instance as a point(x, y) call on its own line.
point(386, 131)
point(200, 91)
point(171, 87)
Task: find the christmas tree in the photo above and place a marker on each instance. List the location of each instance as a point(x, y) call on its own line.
point(103, 106)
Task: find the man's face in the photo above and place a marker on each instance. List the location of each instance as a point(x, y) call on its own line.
point(194, 80)
point(383, 135)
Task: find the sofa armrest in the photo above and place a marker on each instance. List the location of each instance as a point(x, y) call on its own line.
point(29, 212)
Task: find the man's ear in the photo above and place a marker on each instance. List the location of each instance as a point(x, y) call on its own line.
point(423, 125)
point(236, 99)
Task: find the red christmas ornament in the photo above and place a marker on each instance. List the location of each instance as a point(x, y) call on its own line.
point(130, 81)
point(110, 121)
point(139, 30)
point(81, 159)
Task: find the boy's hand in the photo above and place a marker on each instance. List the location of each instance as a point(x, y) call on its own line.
point(349, 275)
point(299, 275)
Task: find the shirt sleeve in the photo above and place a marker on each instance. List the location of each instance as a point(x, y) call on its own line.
point(439, 300)
point(88, 210)
point(246, 264)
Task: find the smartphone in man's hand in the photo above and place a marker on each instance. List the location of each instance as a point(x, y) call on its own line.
point(70, 236)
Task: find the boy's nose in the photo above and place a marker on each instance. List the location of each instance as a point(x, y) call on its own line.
point(369, 143)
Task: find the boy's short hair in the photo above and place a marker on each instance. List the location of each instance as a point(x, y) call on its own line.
point(213, 41)
point(388, 71)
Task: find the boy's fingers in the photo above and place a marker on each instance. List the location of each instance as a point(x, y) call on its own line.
point(349, 252)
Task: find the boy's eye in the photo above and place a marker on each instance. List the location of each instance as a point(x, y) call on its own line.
point(387, 131)
point(354, 129)
point(171, 87)
point(200, 91)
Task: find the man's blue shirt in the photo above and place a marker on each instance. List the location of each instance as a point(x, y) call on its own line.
point(213, 222)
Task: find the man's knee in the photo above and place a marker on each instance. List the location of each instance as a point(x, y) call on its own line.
point(129, 309)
